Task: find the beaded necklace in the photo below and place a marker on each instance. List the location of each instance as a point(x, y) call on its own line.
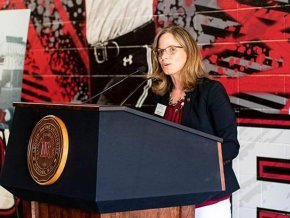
point(177, 105)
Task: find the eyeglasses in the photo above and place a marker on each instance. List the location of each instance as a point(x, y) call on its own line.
point(169, 50)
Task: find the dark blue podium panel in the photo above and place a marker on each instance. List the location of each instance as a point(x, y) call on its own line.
point(119, 159)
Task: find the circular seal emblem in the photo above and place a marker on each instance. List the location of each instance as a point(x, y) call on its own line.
point(47, 150)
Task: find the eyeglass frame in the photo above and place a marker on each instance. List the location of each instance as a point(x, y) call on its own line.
point(158, 50)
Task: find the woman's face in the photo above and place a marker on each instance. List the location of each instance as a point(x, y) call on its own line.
point(171, 55)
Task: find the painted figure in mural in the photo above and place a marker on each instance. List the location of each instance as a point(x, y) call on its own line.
point(119, 34)
point(189, 97)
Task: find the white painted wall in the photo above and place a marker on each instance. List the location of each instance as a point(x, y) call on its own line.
point(263, 142)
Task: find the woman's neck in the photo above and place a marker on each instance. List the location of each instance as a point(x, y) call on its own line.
point(177, 91)
point(175, 78)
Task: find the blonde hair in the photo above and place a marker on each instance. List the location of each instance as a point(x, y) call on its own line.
point(193, 68)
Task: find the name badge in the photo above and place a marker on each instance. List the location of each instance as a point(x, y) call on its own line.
point(160, 110)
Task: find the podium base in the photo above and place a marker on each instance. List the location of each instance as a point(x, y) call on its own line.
point(43, 210)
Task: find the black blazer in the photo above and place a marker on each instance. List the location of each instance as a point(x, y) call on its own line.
point(207, 108)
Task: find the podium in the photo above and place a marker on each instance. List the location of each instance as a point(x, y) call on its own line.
point(118, 159)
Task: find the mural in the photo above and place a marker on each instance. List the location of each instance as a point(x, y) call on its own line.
point(76, 49)
point(12, 52)
point(242, 47)
point(118, 45)
point(56, 63)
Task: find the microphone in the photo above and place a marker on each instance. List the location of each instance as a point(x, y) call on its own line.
point(141, 69)
point(154, 79)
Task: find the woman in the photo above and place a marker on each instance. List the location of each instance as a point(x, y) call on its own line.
point(190, 98)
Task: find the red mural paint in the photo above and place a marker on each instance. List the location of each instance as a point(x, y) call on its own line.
point(255, 53)
point(264, 122)
point(267, 213)
point(244, 43)
point(70, 30)
point(273, 169)
point(56, 64)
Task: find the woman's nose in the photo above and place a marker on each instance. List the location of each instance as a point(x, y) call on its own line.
point(164, 55)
